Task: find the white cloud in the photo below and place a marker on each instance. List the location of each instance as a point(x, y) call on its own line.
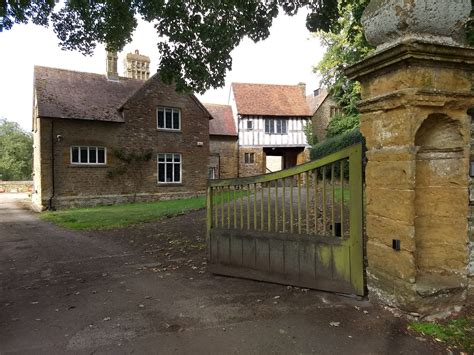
point(286, 57)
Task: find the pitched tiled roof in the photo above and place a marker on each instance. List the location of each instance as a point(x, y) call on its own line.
point(87, 96)
point(315, 101)
point(222, 123)
point(270, 100)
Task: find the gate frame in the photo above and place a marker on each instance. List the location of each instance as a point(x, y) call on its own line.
point(354, 155)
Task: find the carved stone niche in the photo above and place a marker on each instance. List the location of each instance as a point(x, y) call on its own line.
point(440, 200)
point(387, 22)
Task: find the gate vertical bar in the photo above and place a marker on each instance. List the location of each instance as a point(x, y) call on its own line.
point(356, 216)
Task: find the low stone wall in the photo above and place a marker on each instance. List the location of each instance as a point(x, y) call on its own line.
point(16, 186)
point(104, 200)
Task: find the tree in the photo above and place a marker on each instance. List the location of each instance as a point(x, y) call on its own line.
point(16, 152)
point(346, 45)
point(196, 37)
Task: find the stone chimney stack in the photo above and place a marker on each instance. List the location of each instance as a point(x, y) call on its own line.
point(111, 65)
point(303, 88)
point(137, 66)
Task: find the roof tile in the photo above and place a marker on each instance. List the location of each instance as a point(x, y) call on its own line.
point(87, 96)
point(270, 100)
point(222, 123)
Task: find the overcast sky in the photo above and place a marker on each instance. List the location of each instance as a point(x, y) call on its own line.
point(286, 57)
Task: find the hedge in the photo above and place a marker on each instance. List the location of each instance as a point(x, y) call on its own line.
point(335, 144)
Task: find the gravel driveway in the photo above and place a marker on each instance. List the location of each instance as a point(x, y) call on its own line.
point(145, 289)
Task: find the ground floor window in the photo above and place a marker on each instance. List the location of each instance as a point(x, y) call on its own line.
point(212, 173)
point(169, 168)
point(249, 158)
point(88, 155)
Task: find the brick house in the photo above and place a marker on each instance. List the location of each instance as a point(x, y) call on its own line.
point(223, 143)
point(323, 108)
point(270, 121)
point(103, 139)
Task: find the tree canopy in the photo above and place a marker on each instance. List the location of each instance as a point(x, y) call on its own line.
point(194, 37)
point(16, 152)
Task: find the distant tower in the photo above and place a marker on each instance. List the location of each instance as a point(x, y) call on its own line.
point(111, 65)
point(136, 66)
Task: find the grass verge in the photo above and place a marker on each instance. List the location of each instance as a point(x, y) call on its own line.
point(458, 333)
point(117, 216)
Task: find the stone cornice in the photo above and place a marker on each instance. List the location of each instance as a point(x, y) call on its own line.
point(412, 51)
point(416, 97)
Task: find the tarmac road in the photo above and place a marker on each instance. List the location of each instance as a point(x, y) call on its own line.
point(143, 290)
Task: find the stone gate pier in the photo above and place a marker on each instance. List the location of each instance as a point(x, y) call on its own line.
point(417, 90)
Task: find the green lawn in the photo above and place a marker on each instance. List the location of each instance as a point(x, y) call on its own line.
point(338, 194)
point(118, 216)
point(108, 217)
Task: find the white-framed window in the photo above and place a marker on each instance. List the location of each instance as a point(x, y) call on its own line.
point(88, 155)
point(212, 173)
point(276, 126)
point(169, 168)
point(249, 158)
point(168, 118)
point(249, 125)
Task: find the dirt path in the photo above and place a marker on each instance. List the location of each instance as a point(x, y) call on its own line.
point(146, 290)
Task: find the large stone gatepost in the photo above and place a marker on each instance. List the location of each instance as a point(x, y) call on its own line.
point(416, 91)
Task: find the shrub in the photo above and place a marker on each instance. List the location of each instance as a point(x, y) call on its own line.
point(337, 143)
point(341, 124)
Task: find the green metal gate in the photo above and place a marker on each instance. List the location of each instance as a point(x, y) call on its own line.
point(301, 226)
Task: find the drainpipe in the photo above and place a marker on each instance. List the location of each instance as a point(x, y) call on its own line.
point(50, 203)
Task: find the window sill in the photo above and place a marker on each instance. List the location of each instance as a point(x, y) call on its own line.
point(169, 130)
point(168, 184)
point(88, 166)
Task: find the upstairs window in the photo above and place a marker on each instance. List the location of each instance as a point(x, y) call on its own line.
point(276, 126)
point(168, 118)
point(88, 155)
point(249, 125)
point(169, 168)
point(249, 158)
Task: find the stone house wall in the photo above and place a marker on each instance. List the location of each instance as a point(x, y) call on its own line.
point(322, 117)
point(257, 167)
point(87, 185)
point(226, 150)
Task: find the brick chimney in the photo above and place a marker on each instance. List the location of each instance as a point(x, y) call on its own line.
point(136, 66)
point(111, 65)
point(303, 88)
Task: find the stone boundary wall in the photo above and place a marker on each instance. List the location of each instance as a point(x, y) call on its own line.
point(471, 224)
point(104, 200)
point(16, 186)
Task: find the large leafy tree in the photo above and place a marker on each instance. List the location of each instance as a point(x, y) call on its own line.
point(195, 37)
point(16, 152)
point(346, 45)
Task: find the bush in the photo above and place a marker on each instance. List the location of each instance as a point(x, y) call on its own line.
point(335, 144)
point(341, 124)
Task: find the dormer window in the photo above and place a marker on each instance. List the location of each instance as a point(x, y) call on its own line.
point(168, 118)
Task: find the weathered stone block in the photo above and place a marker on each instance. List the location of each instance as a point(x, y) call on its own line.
point(391, 203)
point(442, 172)
point(384, 230)
point(399, 264)
point(442, 201)
point(396, 174)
